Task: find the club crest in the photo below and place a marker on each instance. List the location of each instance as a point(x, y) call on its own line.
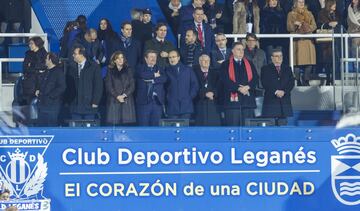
point(345, 170)
point(23, 170)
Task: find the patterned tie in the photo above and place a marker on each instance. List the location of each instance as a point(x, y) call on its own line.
point(200, 34)
point(278, 69)
point(206, 74)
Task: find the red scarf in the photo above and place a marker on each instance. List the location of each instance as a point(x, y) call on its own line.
point(234, 95)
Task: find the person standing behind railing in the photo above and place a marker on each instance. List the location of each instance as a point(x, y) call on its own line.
point(353, 21)
point(246, 17)
point(328, 18)
point(273, 21)
point(13, 14)
point(33, 67)
point(301, 21)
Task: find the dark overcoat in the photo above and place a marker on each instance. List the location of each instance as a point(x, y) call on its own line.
point(272, 81)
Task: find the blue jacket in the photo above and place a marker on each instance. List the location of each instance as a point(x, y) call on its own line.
point(146, 81)
point(132, 53)
point(182, 88)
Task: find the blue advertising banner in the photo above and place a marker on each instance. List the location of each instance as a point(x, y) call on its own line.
point(256, 169)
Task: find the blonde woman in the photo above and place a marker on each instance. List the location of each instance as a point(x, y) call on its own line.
point(301, 21)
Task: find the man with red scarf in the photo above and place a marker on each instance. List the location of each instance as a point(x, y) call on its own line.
point(239, 77)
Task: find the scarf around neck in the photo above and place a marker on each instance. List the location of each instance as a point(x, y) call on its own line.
point(354, 17)
point(234, 95)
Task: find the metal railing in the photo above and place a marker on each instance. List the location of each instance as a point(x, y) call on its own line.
point(291, 37)
point(44, 36)
point(2, 60)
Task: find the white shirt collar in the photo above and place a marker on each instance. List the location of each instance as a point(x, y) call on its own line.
point(82, 64)
point(196, 24)
point(160, 40)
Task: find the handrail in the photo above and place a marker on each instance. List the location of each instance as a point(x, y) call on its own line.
point(22, 35)
point(291, 37)
point(43, 35)
point(295, 35)
point(6, 60)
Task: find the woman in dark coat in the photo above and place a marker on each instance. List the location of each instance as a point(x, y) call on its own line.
point(120, 86)
point(273, 21)
point(206, 110)
point(108, 38)
point(33, 67)
point(51, 88)
point(328, 18)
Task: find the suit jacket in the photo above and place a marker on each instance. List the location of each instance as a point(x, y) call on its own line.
point(206, 84)
point(166, 46)
point(216, 56)
point(182, 88)
point(84, 90)
point(207, 32)
point(272, 81)
point(207, 112)
point(132, 53)
point(52, 87)
point(241, 79)
point(145, 80)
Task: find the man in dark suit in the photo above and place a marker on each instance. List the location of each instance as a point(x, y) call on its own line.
point(150, 93)
point(160, 45)
point(192, 50)
point(278, 81)
point(129, 46)
point(239, 78)
point(84, 86)
point(206, 110)
point(186, 12)
point(204, 30)
point(220, 52)
point(181, 89)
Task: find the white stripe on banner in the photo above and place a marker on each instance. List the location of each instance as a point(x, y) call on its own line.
point(191, 172)
point(13, 165)
point(22, 171)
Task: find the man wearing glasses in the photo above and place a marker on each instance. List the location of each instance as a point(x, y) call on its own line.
point(253, 53)
point(220, 52)
point(278, 81)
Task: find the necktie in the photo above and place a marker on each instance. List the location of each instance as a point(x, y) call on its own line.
point(278, 69)
point(223, 52)
point(200, 34)
point(79, 69)
point(206, 74)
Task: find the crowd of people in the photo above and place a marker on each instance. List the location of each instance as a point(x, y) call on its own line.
point(139, 77)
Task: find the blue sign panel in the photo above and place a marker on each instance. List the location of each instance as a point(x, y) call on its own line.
point(281, 169)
